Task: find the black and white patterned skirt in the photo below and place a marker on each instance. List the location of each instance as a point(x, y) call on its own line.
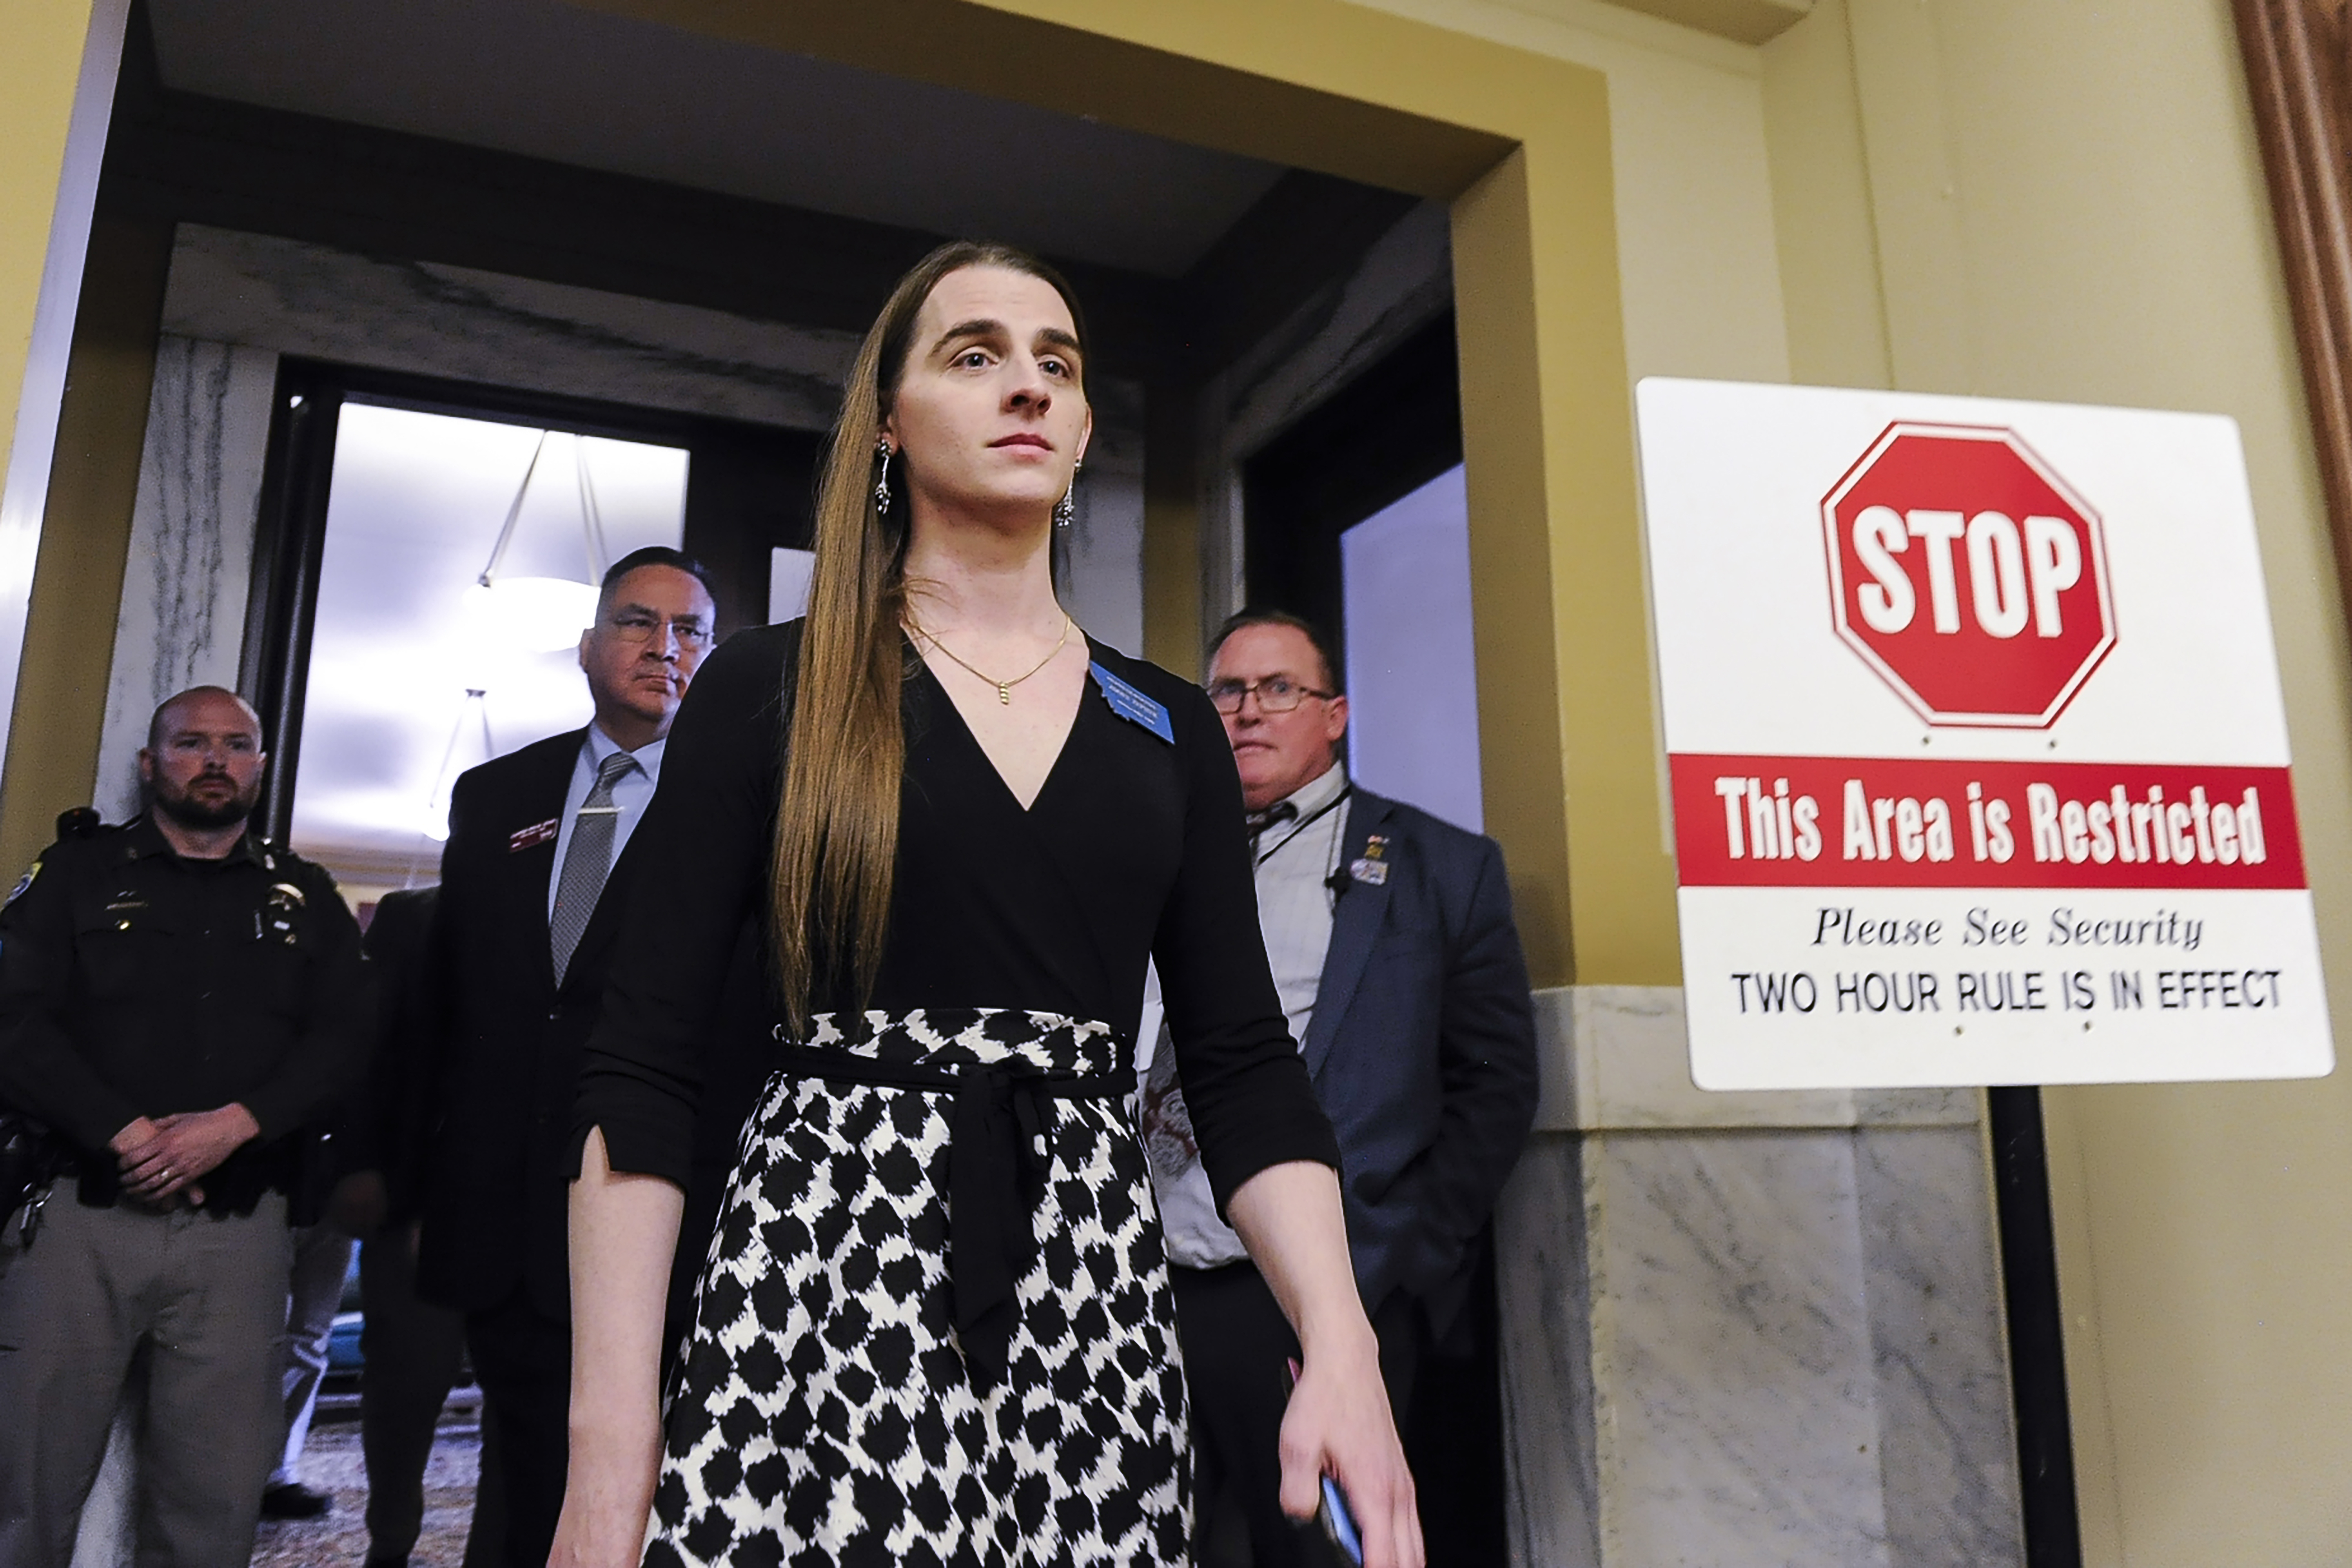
point(827, 1412)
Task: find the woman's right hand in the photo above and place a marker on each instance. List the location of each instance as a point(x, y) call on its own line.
point(608, 1493)
point(623, 1232)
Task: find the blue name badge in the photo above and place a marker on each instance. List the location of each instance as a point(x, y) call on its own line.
point(1132, 705)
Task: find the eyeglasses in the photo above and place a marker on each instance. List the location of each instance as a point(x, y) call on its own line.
point(632, 626)
point(1275, 694)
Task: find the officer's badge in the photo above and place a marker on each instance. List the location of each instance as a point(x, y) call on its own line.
point(277, 911)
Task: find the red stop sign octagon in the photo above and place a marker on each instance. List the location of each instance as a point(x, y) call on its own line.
point(1969, 576)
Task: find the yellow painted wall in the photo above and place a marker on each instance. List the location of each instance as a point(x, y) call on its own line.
point(52, 761)
point(1699, 264)
point(39, 71)
point(2065, 201)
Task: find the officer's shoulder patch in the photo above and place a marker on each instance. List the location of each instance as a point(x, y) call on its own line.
point(23, 882)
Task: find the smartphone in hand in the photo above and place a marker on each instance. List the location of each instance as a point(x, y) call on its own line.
point(1332, 1513)
point(1338, 1524)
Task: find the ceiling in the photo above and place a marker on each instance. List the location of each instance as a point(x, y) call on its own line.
point(547, 79)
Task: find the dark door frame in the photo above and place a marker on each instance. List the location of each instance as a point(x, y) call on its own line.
point(1394, 429)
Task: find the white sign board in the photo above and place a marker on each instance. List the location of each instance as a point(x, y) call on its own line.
point(1979, 765)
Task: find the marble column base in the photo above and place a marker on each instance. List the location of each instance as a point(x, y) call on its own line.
point(1747, 1330)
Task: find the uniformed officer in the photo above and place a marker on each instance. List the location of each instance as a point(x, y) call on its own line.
point(180, 1001)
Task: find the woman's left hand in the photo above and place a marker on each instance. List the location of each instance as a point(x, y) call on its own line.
point(1338, 1423)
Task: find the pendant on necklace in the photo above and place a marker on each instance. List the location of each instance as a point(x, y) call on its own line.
point(1004, 693)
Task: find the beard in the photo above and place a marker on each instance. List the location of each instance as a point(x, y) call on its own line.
point(183, 807)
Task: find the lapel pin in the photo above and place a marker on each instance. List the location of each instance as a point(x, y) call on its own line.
point(522, 838)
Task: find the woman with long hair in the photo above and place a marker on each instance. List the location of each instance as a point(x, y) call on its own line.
point(934, 1324)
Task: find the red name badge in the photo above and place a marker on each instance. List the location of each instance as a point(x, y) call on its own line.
point(537, 833)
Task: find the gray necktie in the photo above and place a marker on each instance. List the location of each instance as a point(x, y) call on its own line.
point(587, 861)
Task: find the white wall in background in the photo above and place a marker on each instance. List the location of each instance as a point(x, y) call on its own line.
point(789, 572)
point(1412, 671)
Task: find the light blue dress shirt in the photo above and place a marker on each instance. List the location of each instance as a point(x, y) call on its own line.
point(632, 793)
point(1294, 862)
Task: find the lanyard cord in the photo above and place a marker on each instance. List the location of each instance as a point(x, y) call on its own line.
point(1310, 820)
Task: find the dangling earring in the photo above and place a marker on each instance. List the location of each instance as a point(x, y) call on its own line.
point(1066, 509)
point(882, 478)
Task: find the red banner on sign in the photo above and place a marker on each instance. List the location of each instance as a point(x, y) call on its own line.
point(1872, 822)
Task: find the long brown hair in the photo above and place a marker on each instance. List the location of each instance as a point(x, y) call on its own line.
point(837, 842)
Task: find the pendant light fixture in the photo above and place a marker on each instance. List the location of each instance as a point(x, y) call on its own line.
point(542, 615)
point(432, 828)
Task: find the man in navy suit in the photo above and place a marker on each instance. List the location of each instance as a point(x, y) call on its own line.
point(531, 882)
point(1391, 943)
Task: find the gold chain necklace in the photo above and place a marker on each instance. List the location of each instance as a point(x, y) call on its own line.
point(1003, 687)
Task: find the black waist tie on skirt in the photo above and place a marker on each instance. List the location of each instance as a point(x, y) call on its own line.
point(998, 1157)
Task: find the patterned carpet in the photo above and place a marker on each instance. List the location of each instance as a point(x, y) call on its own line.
point(331, 1463)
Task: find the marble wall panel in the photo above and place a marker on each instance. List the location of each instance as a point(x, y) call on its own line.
point(1732, 1353)
point(1948, 1445)
point(1543, 1285)
point(468, 325)
point(1618, 1057)
point(183, 617)
point(1746, 1329)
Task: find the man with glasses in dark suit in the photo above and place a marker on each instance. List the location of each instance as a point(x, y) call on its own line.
point(532, 882)
point(1391, 939)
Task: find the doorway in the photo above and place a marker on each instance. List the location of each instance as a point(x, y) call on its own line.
point(1357, 518)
